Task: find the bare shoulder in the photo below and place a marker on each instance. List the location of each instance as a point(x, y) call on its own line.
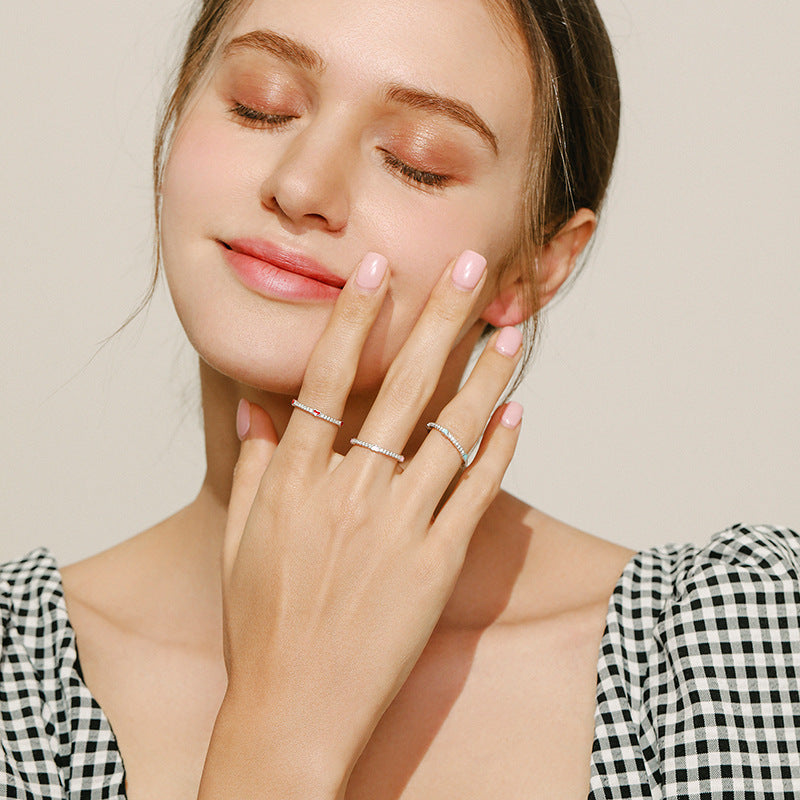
point(550, 568)
point(150, 585)
point(147, 630)
point(589, 565)
point(149, 600)
point(502, 700)
point(548, 650)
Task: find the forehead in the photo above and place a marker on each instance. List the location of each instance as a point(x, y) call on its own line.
point(460, 48)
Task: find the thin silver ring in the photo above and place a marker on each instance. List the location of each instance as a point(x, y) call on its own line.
point(316, 413)
point(449, 436)
point(378, 449)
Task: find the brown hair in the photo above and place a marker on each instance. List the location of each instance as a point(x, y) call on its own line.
point(574, 132)
point(573, 136)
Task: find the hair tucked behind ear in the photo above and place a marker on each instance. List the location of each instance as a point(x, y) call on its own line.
point(574, 132)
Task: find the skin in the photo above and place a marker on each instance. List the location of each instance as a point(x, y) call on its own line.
point(507, 649)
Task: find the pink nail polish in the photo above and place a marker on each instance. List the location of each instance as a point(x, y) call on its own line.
point(242, 419)
point(371, 270)
point(512, 416)
point(508, 342)
point(468, 270)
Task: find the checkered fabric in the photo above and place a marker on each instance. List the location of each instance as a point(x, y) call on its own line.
point(56, 742)
point(697, 687)
point(698, 694)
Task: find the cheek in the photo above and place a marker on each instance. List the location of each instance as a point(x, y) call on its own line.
point(203, 167)
point(422, 238)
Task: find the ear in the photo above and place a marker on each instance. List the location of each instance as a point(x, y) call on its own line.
point(560, 254)
point(554, 265)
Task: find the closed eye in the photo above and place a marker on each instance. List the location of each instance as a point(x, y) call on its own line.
point(414, 175)
point(253, 118)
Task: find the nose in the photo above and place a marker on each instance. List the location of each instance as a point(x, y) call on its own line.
point(308, 186)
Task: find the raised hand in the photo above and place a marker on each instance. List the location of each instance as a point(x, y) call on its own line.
point(336, 568)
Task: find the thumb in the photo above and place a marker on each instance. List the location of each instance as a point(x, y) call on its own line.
point(259, 440)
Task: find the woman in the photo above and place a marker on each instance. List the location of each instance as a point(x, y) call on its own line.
point(345, 610)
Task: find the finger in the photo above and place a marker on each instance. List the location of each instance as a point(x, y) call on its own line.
point(465, 416)
point(415, 371)
point(259, 440)
point(451, 532)
point(334, 360)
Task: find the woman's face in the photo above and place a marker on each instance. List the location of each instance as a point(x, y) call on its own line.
point(327, 129)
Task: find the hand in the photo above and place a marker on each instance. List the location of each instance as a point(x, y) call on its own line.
point(335, 571)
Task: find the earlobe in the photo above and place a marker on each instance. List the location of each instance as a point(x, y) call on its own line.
point(507, 308)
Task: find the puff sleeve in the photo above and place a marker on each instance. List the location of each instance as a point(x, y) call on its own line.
point(55, 742)
point(698, 691)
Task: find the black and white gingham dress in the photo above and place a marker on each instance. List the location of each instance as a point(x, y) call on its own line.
point(697, 694)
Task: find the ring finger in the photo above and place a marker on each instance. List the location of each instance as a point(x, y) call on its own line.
point(464, 417)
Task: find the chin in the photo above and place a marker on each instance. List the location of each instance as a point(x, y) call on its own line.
point(262, 343)
point(256, 361)
point(257, 342)
point(273, 366)
point(269, 350)
point(275, 379)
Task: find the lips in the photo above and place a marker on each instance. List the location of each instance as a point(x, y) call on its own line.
point(285, 259)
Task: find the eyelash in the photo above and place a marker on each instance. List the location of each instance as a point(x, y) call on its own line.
point(432, 180)
point(260, 119)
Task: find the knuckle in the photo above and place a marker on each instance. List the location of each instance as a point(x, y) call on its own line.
point(447, 308)
point(355, 312)
point(464, 421)
point(325, 377)
point(276, 503)
point(483, 487)
point(430, 566)
point(349, 510)
point(406, 384)
point(443, 560)
point(287, 475)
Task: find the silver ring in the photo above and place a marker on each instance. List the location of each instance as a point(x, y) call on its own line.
point(316, 413)
point(377, 449)
point(449, 436)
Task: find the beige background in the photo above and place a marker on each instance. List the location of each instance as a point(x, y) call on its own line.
point(663, 405)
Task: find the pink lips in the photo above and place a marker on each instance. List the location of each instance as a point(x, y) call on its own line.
point(274, 271)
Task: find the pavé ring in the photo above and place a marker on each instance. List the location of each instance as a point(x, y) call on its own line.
point(316, 413)
point(450, 438)
point(378, 449)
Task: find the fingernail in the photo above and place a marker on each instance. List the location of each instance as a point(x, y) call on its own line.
point(512, 416)
point(242, 419)
point(508, 342)
point(468, 270)
point(371, 270)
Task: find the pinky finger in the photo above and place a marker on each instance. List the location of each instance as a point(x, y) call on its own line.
point(479, 484)
point(259, 440)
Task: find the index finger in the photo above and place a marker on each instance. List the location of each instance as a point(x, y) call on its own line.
point(334, 360)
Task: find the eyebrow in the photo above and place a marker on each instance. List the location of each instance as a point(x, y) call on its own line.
point(439, 104)
point(277, 45)
point(303, 56)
